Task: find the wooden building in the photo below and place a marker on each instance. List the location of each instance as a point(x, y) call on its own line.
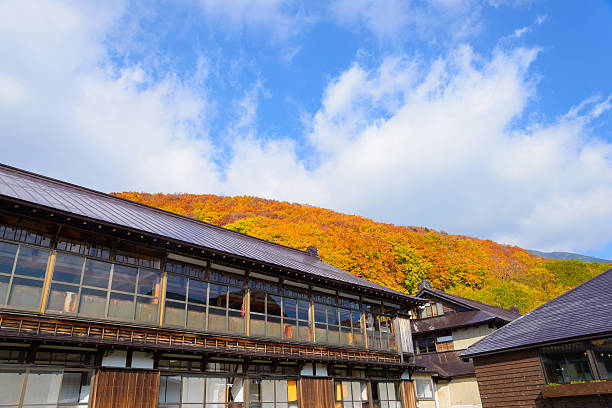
point(109, 303)
point(556, 356)
point(442, 328)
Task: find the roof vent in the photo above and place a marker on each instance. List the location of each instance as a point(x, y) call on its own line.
point(424, 285)
point(312, 251)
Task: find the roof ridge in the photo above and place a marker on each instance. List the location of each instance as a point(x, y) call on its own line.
point(446, 294)
point(107, 195)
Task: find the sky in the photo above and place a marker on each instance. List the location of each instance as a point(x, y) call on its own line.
point(491, 119)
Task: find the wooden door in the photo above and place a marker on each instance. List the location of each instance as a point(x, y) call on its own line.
point(126, 389)
point(317, 393)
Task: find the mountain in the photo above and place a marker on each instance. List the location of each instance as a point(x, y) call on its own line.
point(391, 255)
point(566, 256)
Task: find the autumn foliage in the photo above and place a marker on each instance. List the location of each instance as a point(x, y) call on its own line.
point(395, 256)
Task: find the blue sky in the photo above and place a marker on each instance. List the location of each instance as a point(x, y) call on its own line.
point(485, 118)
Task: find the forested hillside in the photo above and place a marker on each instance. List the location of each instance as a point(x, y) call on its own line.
point(394, 256)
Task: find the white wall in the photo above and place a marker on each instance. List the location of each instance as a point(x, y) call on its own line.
point(465, 337)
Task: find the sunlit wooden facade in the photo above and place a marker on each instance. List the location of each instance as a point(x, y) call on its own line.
point(100, 314)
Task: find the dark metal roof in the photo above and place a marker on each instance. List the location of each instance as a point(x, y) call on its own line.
point(506, 315)
point(79, 201)
point(584, 311)
point(450, 321)
point(446, 364)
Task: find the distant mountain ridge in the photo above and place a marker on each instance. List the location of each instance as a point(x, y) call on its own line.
point(567, 256)
point(395, 256)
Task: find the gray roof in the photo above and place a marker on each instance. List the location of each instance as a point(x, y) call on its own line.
point(450, 321)
point(584, 311)
point(446, 364)
point(79, 201)
point(506, 315)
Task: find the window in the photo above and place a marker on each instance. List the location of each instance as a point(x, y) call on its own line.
point(429, 310)
point(566, 363)
point(22, 273)
point(351, 394)
point(279, 316)
point(426, 344)
point(45, 388)
point(424, 389)
point(196, 391)
point(272, 393)
point(602, 351)
point(93, 288)
point(202, 305)
point(386, 394)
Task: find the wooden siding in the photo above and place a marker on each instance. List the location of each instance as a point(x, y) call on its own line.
point(510, 379)
point(126, 389)
point(317, 393)
point(445, 346)
point(408, 394)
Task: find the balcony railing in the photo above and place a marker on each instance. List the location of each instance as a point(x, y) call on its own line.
point(39, 328)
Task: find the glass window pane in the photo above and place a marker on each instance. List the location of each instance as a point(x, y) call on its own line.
point(274, 305)
point(332, 315)
point(193, 389)
point(93, 302)
point(320, 313)
point(356, 319)
point(304, 332)
point(25, 293)
point(7, 257)
point(197, 291)
point(346, 336)
point(124, 278)
point(215, 390)
point(4, 284)
point(63, 298)
point(149, 283)
point(281, 391)
point(170, 389)
point(146, 309)
point(267, 390)
point(602, 349)
point(71, 387)
point(236, 321)
point(258, 301)
point(32, 262)
point(121, 306)
point(196, 316)
point(176, 287)
point(217, 295)
point(566, 363)
point(174, 313)
point(216, 319)
point(236, 392)
point(303, 310)
point(42, 387)
point(255, 390)
point(424, 389)
point(68, 268)
point(345, 317)
point(320, 332)
point(289, 328)
point(333, 334)
point(236, 298)
point(258, 325)
point(11, 383)
point(289, 308)
point(274, 326)
point(96, 274)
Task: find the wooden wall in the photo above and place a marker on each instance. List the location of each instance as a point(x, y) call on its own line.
point(126, 389)
point(510, 379)
point(408, 394)
point(317, 393)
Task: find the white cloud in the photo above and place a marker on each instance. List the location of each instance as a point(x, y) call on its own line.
point(63, 101)
point(282, 18)
point(441, 144)
point(393, 20)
